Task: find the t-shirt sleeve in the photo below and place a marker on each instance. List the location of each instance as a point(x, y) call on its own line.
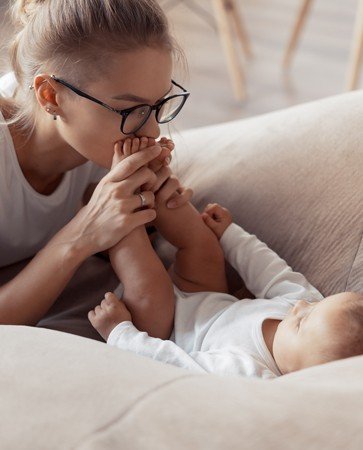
point(265, 274)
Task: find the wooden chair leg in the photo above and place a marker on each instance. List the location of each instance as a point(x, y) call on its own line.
point(238, 22)
point(300, 21)
point(356, 50)
point(226, 36)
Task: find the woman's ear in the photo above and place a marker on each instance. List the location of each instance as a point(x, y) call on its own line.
point(46, 92)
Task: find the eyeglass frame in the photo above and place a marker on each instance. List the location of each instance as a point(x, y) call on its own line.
point(124, 113)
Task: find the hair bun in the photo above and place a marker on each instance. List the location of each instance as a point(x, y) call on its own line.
point(23, 10)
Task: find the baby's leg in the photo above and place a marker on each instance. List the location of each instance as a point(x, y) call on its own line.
point(199, 264)
point(148, 291)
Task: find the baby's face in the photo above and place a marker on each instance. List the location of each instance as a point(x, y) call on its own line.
point(306, 330)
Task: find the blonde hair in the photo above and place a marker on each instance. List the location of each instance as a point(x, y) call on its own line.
point(69, 36)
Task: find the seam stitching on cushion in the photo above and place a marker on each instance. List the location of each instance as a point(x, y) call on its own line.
point(130, 408)
point(355, 257)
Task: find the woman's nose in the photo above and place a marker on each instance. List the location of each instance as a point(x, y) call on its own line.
point(150, 128)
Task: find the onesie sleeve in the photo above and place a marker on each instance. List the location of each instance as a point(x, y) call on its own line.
point(126, 336)
point(265, 274)
point(220, 361)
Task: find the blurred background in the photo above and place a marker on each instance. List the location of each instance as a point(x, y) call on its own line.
point(318, 68)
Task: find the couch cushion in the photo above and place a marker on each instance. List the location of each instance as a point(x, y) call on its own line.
point(60, 391)
point(293, 178)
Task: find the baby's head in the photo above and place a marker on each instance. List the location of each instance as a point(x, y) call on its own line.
point(320, 332)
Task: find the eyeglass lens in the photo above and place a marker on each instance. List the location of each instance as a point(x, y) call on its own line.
point(137, 118)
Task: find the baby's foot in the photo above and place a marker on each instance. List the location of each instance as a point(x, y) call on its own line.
point(109, 314)
point(131, 146)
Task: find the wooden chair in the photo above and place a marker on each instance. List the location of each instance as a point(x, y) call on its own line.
point(229, 26)
point(356, 46)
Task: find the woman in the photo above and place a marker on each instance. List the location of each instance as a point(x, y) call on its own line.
point(90, 73)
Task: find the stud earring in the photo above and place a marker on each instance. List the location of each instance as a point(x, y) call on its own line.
point(51, 112)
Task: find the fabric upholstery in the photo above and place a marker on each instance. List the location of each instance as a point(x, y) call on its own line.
point(293, 178)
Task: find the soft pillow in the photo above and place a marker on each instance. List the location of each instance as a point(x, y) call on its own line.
point(293, 178)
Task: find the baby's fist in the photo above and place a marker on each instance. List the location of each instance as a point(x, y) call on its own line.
point(106, 316)
point(217, 218)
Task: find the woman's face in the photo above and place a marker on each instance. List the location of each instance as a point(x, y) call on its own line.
point(142, 76)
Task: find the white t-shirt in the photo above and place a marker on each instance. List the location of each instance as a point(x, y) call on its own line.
point(216, 332)
point(28, 220)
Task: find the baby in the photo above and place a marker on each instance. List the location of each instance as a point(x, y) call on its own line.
point(186, 317)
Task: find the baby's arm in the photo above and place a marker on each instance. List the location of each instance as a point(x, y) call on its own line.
point(199, 263)
point(219, 361)
point(265, 274)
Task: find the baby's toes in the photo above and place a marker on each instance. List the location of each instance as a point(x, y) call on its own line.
point(126, 148)
point(135, 146)
point(170, 144)
point(143, 142)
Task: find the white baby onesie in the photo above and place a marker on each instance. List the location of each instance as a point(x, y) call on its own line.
point(216, 332)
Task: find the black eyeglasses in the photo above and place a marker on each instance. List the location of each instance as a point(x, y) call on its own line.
point(135, 118)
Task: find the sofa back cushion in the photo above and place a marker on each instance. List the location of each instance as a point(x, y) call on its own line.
point(293, 178)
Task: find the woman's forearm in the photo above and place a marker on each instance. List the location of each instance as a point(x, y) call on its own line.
point(148, 290)
point(26, 298)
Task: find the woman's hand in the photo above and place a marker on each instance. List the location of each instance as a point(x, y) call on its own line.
point(177, 194)
point(110, 214)
point(173, 193)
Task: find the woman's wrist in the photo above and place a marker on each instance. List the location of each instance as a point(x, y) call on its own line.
point(136, 238)
point(75, 245)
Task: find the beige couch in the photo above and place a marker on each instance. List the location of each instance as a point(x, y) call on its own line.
point(294, 178)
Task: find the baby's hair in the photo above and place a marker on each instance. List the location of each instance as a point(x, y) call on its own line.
point(78, 38)
point(349, 339)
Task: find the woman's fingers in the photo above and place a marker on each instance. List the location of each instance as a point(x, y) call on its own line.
point(159, 162)
point(131, 164)
point(183, 196)
point(160, 178)
point(148, 200)
point(142, 218)
point(143, 177)
point(168, 189)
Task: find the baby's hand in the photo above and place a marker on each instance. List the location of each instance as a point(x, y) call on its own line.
point(217, 218)
point(108, 314)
